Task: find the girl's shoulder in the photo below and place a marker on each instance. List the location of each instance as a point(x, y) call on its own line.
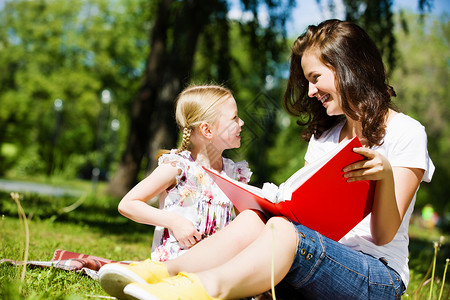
point(239, 171)
point(183, 161)
point(176, 159)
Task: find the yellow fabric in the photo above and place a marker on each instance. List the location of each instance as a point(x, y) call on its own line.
point(150, 271)
point(186, 286)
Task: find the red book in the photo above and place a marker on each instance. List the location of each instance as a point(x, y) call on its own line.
point(317, 196)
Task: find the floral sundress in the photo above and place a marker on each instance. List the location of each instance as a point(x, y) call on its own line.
point(197, 198)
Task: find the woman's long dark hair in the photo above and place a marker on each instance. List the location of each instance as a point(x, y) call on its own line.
point(360, 76)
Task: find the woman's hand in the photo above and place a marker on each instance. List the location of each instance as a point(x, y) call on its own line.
point(374, 167)
point(185, 232)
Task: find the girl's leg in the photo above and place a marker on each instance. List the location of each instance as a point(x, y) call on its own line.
point(220, 247)
point(249, 272)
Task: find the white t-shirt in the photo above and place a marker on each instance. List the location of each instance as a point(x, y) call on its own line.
point(405, 145)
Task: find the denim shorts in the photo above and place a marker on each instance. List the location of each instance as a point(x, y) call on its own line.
point(325, 269)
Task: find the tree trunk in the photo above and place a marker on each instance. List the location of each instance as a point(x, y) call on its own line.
point(152, 121)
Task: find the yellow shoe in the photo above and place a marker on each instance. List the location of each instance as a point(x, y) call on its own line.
point(115, 276)
point(184, 286)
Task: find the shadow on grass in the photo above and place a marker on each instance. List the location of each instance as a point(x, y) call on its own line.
point(98, 213)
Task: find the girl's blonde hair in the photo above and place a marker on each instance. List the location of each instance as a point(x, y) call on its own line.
point(197, 104)
point(194, 105)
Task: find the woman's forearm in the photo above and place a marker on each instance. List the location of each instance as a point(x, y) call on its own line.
point(386, 218)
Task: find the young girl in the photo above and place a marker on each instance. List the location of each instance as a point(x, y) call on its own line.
point(337, 84)
point(192, 206)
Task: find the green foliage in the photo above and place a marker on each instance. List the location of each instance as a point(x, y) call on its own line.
point(69, 50)
point(421, 82)
point(287, 154)
point(255, 76)
point(249, 57)
point(73, 50)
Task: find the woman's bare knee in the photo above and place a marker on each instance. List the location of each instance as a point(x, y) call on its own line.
point(247, 226)
point(284, 231)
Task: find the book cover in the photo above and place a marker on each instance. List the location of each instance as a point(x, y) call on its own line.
point(317, 196)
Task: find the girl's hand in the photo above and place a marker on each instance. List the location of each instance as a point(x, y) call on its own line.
point(374, 167)
point(185, 232)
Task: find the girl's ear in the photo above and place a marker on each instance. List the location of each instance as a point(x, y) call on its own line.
point(205, 130)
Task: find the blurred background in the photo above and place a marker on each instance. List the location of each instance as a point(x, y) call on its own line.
point(87, 87)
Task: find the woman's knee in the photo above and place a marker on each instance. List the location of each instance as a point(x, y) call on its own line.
point(250, 219)
point(284, 231)
point(281, 223)
point(246, 227)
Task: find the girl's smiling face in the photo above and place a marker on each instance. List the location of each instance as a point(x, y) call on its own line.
point(321, 83)
point(228, 126)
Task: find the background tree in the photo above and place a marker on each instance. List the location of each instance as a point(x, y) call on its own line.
point(421, 81)
point(169, 69)
point(176, 31)
point(173, 43)
point(144, 52)
point(70, 51)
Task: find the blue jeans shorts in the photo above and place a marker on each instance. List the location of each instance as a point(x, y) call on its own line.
point(325, 269)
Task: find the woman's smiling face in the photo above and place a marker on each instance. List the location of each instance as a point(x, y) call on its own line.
point(321, 83)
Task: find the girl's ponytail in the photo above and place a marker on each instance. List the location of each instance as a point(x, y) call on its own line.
point(186, 139)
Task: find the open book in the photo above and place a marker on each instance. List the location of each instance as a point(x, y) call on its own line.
point(317, 196)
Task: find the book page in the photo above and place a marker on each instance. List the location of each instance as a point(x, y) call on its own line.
point(269, 190)
point(302, 175)
point(255, 190)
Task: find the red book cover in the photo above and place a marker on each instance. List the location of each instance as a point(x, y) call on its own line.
point(317, 196)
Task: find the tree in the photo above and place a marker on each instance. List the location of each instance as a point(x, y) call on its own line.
point(421, 82)
point(173, 43)
point(69, 51)
point(174, 39)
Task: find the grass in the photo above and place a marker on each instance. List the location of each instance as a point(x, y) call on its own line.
point(96, 228)
point(429, 255)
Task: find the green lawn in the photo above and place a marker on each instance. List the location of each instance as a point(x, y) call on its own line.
point(96, 228)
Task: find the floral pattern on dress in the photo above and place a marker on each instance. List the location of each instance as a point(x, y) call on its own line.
point(197, 198)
